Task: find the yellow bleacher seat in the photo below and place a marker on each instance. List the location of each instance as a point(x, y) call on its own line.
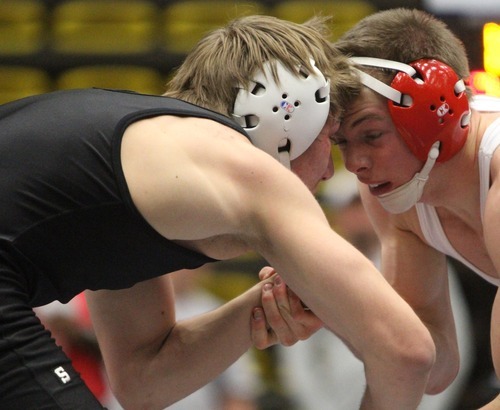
point(344, 13)
point(186, 22)
point(18, 82)
point(104, 26)
point(134, 78)
point(22, 26)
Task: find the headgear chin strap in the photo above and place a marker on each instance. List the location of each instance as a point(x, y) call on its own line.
point(427, 103)
point(407, 195)
point(283, 118)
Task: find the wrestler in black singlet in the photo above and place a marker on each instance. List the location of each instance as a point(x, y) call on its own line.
point(67, 223)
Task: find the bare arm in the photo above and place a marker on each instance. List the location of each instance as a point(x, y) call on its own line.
point(419, 274)
point(160, 361)
point(345, 290)
point(151, 359)
point(287, 320)
point(206, 183)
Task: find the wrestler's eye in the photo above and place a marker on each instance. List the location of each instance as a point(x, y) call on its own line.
point(372, 136)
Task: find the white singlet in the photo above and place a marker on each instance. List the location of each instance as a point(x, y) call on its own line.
point(427, 215)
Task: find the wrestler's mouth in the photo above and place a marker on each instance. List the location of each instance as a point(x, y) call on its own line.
point(380, 188)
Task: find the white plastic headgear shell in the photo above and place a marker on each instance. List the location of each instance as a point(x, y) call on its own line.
point(283, 118)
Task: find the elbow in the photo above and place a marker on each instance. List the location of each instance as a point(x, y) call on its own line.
point(417, 355)
point(442, 376)
point(433, 389)
point(123, 392)
point(130, 400)
point(420, 360)
point(131, 394)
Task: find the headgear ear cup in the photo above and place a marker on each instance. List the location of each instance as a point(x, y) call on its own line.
point(438, 111)
point(283, 118)
point(427, 103)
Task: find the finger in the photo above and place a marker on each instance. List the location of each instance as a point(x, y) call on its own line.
point(271, 310)
point(273, 313)
point(262, 337)
point(297, 307)
point(277, 311)
point(266, 272)
point(281, 296)
point(308, 321)
point(286, 315)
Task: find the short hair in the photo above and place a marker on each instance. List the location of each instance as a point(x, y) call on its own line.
point(405, 35)
point(227, 58)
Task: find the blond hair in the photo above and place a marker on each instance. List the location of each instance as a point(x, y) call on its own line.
point(228, 57)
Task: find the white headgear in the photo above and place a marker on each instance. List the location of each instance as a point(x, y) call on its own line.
point(283, 118)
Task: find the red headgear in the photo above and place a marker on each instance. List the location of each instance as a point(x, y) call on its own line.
point(427, 102)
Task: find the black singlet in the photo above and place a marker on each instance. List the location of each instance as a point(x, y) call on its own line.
point(67, 221)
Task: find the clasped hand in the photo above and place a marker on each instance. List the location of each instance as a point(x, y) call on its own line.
point(282, 318)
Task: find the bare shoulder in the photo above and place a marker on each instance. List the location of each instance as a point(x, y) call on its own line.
point(170, 148)
point(194, 179)
point(194, 135)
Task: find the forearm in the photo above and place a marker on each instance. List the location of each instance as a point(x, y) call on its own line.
point(437, 315)
point(151, 360)
point(380, 387)
point(393, 379)
point(356, 302)
point(398, 385)
point(199, 349)
point(447, 363)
